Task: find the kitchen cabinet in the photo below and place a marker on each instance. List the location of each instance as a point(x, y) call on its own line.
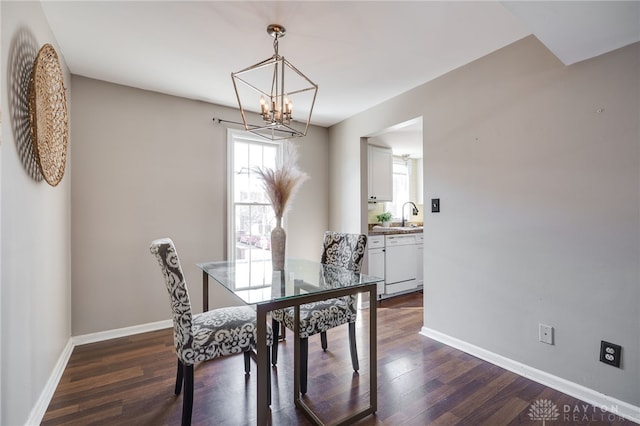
point(420, 260)
point(375, 258)
point(380, 173)
point(398, 258)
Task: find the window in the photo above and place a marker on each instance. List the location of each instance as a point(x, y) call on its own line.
point(250, 213)
point(401, 187)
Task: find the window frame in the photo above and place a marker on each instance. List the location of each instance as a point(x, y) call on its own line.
point(233, 136)
point(391, 206)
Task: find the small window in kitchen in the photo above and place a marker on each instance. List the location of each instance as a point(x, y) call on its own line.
point(401, 186)
point(250, 213)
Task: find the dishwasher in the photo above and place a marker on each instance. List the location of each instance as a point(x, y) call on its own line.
point(401, 263)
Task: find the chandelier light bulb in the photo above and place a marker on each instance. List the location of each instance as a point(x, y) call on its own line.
point(263, 107)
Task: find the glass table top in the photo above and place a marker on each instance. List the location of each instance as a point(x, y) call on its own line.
point(256, 282)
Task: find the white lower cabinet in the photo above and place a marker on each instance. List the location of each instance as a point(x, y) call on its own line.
point(420, 261)
point(376, 260)
point(398, 258)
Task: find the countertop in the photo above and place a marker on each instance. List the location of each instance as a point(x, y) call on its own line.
point(379, 230)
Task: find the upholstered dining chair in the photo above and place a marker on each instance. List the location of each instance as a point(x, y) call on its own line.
point(339, 249)
point(205, 336)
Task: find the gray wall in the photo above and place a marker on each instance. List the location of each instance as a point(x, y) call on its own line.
point(148, 165)
point(35, 313)
point(540, 206)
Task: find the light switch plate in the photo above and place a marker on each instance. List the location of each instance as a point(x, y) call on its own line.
point(435, 205)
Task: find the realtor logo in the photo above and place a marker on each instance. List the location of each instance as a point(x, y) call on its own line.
point(543, 409)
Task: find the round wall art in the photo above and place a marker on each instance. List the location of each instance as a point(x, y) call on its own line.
point(48, 115)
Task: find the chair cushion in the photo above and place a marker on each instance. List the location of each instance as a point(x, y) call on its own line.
point(319, 316)
point(220, 332)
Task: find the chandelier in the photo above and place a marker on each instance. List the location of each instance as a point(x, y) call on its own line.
point(261, 87)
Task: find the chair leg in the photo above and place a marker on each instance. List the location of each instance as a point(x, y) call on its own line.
point(275, 327)
point(304, 357)
point(323, 340)
point(247, 362)
point(187, 402)
point(179, 377)
point(352, 346)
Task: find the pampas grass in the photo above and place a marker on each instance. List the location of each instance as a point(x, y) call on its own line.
point(282, 184)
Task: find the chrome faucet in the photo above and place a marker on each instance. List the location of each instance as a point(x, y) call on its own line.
point(414, 212)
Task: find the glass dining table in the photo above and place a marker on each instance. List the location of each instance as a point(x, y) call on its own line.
point(302, 281)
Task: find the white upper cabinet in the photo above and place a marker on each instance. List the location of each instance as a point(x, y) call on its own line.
point(380, 174)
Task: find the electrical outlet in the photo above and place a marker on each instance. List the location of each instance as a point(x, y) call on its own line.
point(610, 353)
point(545, 334)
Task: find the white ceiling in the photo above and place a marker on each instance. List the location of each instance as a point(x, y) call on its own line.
point(404, 139)
point(579, 30)
point(359, 53)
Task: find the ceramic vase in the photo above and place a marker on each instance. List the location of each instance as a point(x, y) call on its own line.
point(278, 243)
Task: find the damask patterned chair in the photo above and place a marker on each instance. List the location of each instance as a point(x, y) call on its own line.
point(205, 336)
point(343, 250)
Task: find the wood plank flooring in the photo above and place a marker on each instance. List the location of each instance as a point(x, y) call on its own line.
point(130, 380)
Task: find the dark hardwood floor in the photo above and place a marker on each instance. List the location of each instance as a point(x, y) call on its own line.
point(130, 380)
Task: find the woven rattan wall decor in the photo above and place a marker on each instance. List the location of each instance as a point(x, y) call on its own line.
point(48, 115)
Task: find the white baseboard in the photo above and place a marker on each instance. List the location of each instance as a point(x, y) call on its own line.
point(595, 398)
point(38, 411)
point(40, 408)
point(121, 332)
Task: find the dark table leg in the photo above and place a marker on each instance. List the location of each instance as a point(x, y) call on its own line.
point(296, 354)
point(262, 359)
point(373, 350)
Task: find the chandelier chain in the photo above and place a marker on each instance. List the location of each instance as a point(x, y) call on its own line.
point(275, 45)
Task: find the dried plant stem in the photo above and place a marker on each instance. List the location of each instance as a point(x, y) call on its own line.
point(282, 184)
